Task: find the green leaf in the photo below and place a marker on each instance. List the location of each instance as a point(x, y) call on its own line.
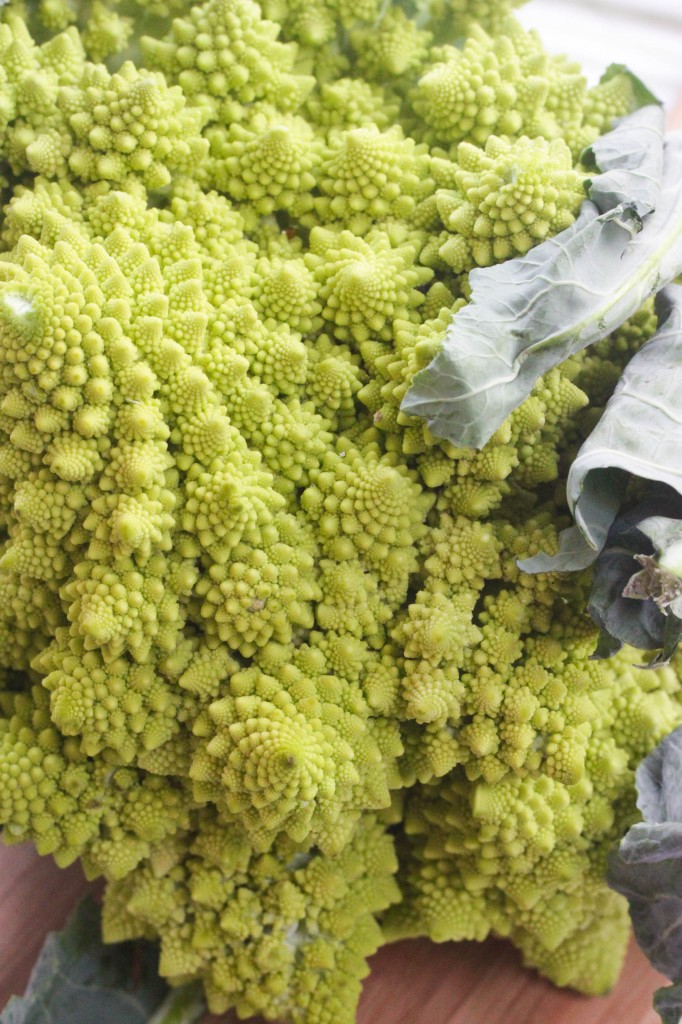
point(635, 597)
point(647, 867)
point(624, 620)
point(647, 870)
point(668, 1003)
point(79, 980)
point(659, 794)
point(601, 499)
point(672, 635)
point(659, 580)
point(530, 314)
point(648, 395)
point(631, 165)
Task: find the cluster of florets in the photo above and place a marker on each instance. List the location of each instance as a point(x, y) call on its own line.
point(246, 602)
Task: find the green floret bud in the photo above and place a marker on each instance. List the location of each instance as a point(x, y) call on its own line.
point(369, 176)
point(108, 33)
point(395, 48)
point(310, 24)
point(509, 197)
point(351, 103)
point(269, 162)
point(473, 92)
point(130, 121)
point(287, 761)
point(225, 48)
point(365, 284)
point(458, 17)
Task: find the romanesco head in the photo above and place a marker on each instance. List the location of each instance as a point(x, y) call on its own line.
point(245, 601)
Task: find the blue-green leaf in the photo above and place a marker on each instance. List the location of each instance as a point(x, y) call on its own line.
point(631, 165)
point(624, 620)
point(638, 435)
point(668, 1003)
point(79, 980)
point(647, 868)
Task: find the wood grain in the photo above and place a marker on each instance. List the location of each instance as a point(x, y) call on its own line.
point(412, 982)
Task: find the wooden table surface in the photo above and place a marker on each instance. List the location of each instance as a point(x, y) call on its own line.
point(413, 982)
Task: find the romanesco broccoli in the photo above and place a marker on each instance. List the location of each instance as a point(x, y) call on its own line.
point(269, 664)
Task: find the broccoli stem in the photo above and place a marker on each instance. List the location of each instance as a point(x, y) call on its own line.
point(183, 1005)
